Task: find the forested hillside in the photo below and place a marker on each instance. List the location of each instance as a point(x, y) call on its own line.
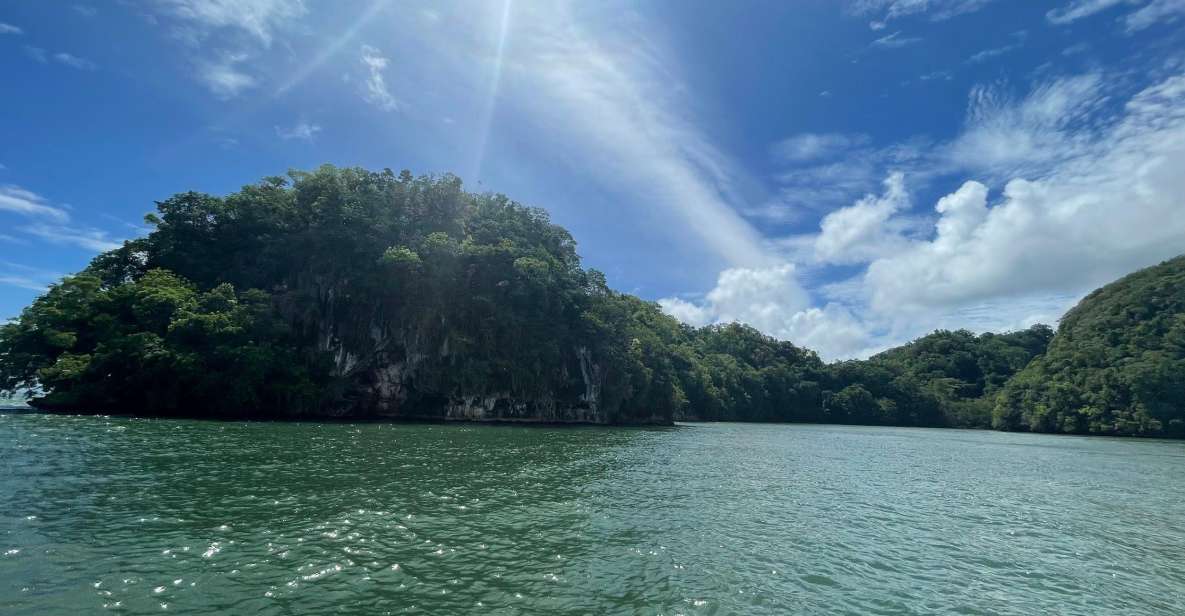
point(1116, 365)
point(349, 293)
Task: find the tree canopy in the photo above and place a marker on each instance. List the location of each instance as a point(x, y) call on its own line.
point(351, 293)
point(1116, 365)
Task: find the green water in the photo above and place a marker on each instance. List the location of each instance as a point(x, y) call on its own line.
point(139, 516)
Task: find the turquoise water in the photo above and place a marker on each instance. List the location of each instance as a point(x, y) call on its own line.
point(140, 516)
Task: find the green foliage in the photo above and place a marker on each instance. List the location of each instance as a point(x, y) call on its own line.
point(1116, 365)
point(961, 372)
point(344, 292)
point(402, 256)
point(359, 278)
point(156, 345)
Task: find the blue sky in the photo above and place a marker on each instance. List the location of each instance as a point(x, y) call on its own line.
point(846, 175)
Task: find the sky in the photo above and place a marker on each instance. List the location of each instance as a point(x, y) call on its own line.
point(846, 175)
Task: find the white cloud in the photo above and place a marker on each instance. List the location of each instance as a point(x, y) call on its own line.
point(9, 29)
point(772, 300)
point(23, 282)
point(612, 107)
point(1096, 194)
point(895, 41)
point(888, 10)
point(761, 297)
point(690, 313)
point(302, 131)
point(257, 18)
point(867, 229)
point(1056, 121)
point(74, 61)
point(83, 237)
point(223, 77)
point(376, 92)
point(43, 56)
point(26, 203)
point(988, 54)
point(1157, 11)
point(1002, 138)
point(25, 277)
point(824, 184)
point(50, 222)
point(1079, 9)
point(85, 10)
point(943, 75)
point(225, 36)
point(1108, 208)
point(811, 146)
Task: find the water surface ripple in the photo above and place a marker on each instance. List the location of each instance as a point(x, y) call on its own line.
point(137, 516)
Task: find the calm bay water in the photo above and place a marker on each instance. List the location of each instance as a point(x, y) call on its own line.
point(139, 516)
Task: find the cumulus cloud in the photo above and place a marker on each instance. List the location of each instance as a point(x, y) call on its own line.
point(376, 92)
point(841, 175)
point(867, 229)
point(1112, 208)
point(1003, 137)
point(1095, 193)
point(762, 297)
point(302, 131)
point(772, 300)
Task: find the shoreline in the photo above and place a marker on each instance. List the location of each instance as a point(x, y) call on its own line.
point(526, 423)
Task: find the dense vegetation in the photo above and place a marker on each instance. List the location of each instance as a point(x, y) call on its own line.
point(343, 292)
point(340, 292)
point(1116, 366)
point(963, 371)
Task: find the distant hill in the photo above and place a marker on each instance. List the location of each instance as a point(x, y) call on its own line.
point(1116, 365)
point(965, 371)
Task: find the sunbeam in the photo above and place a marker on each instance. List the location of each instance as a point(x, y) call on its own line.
point(491, 101)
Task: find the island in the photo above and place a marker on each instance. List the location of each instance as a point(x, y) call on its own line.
point(347, 293)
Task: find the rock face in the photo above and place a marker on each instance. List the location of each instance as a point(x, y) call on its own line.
point(380, 377)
